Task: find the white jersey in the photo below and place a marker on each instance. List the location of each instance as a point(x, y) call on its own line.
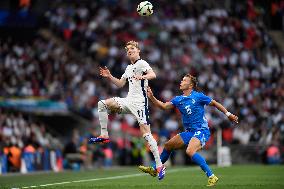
point(137, 88)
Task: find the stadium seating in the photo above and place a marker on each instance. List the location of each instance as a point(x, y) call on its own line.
point(236, 61)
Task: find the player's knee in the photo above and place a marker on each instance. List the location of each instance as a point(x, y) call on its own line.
point(190, 152)
point(168, 146)
point(112, 106)
point(102, 107)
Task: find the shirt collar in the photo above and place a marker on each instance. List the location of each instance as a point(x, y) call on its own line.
point(137, 60)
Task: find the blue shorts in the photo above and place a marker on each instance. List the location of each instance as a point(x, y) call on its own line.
point(202, 135)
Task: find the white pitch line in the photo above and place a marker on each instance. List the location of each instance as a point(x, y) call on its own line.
point(95, 179)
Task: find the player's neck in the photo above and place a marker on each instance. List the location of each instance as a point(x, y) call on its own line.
point(134, 60)
point(187, 92)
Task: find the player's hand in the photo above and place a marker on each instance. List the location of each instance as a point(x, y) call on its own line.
point(149, 92)
point(233, 118)
point(139, 77)
point(105, 72)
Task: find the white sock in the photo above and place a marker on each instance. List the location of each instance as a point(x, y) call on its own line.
point(103, 117)
point(153, 147)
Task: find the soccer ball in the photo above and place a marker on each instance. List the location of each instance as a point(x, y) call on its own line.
point(145, 8)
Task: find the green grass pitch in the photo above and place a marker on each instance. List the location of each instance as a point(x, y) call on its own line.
point(235, 177)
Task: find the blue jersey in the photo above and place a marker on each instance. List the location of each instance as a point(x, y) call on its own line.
point(192, 110)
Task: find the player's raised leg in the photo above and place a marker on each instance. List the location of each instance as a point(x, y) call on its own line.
point(103, 107)
point(194, 146)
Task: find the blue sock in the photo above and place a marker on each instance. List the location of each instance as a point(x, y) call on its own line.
point(164, 157)
point(199, 160)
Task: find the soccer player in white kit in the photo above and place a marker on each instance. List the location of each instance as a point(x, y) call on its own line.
point(137, 74)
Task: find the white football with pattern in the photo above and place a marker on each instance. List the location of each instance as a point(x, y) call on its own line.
point(145, 8)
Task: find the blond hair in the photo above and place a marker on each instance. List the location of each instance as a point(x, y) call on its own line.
point(132, 43)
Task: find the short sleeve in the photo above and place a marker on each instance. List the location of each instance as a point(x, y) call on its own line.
point(174, 101)
point(124, 76)
point(144, 66)
point(205, 100)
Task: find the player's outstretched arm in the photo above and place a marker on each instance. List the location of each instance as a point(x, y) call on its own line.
point(106, 73)
point(220, 107)
point(158, 103)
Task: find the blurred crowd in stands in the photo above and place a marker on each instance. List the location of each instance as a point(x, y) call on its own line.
point(19, 134)
point(236, 62)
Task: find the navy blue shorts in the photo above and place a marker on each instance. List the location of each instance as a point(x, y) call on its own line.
point(202, 135)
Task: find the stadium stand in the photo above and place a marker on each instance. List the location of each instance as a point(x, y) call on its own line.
point(230, 51)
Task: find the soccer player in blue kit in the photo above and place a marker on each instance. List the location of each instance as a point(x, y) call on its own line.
point(191, 106)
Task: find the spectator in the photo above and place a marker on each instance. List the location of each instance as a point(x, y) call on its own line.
point(273, 155)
